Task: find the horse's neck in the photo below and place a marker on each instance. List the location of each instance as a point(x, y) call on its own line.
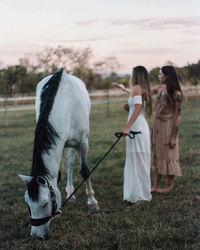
point(52, 163)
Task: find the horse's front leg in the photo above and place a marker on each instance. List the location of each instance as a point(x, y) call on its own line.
point(69, 163)
point(93, 205)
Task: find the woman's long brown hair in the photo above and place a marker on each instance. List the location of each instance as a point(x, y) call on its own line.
point(140, 77)
point(172, 83)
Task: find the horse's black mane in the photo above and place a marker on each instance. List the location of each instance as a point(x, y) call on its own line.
point(45, 134)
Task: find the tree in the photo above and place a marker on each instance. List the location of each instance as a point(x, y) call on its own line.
point(51, 59)
point(10, 78)
point(75, 61)
point(194, 73)
point(153, 75)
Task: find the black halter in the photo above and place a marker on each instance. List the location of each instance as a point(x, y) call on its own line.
point(41, 221)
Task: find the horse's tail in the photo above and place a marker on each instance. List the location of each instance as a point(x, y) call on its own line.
point(45, 134)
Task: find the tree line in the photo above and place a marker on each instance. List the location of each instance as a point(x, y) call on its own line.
point(23, 77)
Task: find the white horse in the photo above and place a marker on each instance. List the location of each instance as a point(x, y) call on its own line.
point(62, 115)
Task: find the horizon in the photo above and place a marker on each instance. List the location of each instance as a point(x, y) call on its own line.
point(147, 32)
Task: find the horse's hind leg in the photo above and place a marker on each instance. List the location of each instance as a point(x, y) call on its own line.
point(93, 205)
point(83, 159)
point(69, 162)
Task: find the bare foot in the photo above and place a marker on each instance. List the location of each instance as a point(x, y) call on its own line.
point(154, 190)
point(165, 190)
point(139, 202)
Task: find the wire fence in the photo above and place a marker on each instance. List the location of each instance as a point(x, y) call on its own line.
point(8, 104)
point(28, 102)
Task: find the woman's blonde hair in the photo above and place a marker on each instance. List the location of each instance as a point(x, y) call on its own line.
point(140, 77)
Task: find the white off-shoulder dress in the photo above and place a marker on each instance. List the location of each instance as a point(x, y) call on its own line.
point(137, 184)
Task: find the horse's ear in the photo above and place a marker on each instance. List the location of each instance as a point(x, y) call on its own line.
point(25, 178)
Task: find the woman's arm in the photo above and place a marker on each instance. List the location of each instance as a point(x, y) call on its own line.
point(121, 86)
point(155, 89)
point(133, 118)
point(177, 120)
point(136, 91)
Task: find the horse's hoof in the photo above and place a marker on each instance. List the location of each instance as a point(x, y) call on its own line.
point(72, 199)
point(94, 208)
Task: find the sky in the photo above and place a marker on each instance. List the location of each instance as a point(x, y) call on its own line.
point(136, 32)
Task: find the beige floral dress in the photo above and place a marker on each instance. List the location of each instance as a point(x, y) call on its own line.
point(165, 160)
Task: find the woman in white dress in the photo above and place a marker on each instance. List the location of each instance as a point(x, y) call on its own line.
point(137, 184)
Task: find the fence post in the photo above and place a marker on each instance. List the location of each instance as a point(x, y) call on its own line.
point(5, 112)
point(108, 102)
point(15, 105)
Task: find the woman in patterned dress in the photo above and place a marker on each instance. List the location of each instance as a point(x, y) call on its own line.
point(164, 137)
point(137, 184)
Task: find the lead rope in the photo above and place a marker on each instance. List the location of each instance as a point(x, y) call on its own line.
point(131, 135)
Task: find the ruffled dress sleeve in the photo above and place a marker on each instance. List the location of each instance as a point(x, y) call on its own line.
point(137, 99)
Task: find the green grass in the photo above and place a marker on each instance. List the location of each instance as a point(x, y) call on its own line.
point(169, 221)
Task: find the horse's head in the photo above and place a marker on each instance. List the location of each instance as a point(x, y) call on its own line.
point(43, 201)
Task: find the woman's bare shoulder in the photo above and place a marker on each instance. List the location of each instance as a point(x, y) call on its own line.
point(136, 90)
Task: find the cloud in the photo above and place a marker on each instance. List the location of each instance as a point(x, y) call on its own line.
point(150, 23)
point(19, 46)
point(90, 21)
point(18, 50)
point(197, 41)
point(85, 40)
point(152, 51)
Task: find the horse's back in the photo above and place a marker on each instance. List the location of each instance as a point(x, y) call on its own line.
point(71, 108)
point(74, 89)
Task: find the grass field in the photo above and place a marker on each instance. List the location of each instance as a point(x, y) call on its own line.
point(169, 221)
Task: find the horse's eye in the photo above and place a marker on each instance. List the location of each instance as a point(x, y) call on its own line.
point(41, 180)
